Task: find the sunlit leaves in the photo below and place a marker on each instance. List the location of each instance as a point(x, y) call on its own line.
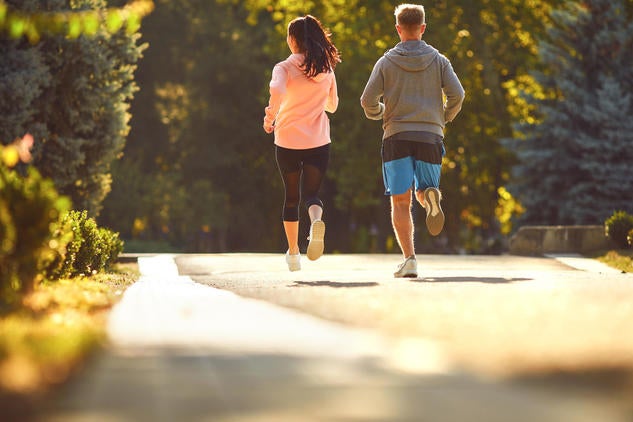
point(507, 208)
point(91, 23)
point(9, 156)
point(520, 91)
point(114, 21)
point(133, 23)
point(19, 150)
point(71, 23)
point(17, 26)
point(74, 26)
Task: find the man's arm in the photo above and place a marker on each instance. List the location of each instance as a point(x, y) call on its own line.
point(454, 92)
point(370, 100)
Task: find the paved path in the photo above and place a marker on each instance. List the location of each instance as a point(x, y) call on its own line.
point(474, 338)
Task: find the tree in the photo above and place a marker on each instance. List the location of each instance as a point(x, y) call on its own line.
point(576, 160)
point(33, 24)
point(197, 120)
point(197, 137)
point(490, 43)
point(71, 93)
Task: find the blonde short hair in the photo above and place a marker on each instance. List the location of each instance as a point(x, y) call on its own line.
point(410, 15)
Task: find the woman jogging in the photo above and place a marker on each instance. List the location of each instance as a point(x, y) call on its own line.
point(302, 89)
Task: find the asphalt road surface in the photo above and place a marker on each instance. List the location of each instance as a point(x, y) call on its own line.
point(236, 337)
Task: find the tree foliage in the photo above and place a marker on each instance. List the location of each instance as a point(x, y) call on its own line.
point(72, 94)
point(199, 171)
point(29, 208)
point(490, 43)
point(575, 146)
point(33, 24)
point(197, 145)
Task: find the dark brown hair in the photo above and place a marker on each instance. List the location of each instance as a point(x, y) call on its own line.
point(314, 42)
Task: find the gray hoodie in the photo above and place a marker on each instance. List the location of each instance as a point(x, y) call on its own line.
point(412, 78)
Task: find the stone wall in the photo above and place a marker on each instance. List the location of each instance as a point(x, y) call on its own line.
point(540, 240)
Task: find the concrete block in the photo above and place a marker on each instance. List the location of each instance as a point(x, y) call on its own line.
point(540, 240)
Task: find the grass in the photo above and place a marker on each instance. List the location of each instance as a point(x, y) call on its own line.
point(59, 325)
point(621, 259)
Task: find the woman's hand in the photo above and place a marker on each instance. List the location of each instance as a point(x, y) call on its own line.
point(268, 128)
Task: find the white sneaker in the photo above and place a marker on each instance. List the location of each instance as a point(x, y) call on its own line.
point(293, 261)
point(409, 268)
point(316, 245)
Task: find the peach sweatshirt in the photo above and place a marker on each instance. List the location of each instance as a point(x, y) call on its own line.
point(298, 104)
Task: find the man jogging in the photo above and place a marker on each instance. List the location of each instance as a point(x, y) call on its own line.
point(420, 93)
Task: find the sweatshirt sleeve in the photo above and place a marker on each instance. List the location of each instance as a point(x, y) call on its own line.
point(374, 90)
point(277, 91)
point(454, 92)
point(332, 101)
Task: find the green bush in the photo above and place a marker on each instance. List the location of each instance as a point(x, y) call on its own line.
point(618, 227)
point(53, 267)
point(91, 248)
point(29, 208)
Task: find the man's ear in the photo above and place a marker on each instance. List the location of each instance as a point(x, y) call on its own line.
point(422, 28)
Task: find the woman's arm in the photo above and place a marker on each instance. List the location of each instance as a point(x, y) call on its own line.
point(277, 91)
point(332, 101)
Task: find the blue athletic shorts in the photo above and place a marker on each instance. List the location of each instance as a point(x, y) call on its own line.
point(411, 163)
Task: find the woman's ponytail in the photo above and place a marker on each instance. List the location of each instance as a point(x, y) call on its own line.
point(320, 53)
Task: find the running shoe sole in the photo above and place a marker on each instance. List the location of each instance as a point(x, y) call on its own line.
point(434, 213)
point(316, 244)
point(406, 274)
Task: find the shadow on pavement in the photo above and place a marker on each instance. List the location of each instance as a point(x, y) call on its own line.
point(332, 284)
point(489, 280)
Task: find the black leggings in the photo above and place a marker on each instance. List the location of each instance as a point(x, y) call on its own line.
point(302, 171)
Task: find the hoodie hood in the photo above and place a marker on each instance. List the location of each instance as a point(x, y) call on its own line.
point(412, 56)
point(297, 60)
